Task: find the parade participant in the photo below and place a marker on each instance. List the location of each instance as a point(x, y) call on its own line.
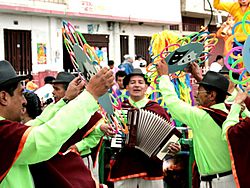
point(237, 131)
point(140, 63)
point(30, 85)
point(132, 168)
point(210, 150)
point(232, 88)
point(237, 10)
point(45, 92)
point(112, 66)
point(52, 173)
point(218, 64)
point(120, 93)
point(32, 108)
point(23, 145)
point(127, 64)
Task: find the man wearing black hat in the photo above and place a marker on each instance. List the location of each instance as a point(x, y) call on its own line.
point(60, 84)
point(232, 88)
point(22, 145)
point(54, 173)
point(133, 168)
point(210, 150)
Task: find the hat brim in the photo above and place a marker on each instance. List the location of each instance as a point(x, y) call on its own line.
point(208, 84)
point(59, 82)
point(13, 80)
point(127, 78)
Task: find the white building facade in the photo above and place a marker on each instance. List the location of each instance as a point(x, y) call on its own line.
point(43, 19)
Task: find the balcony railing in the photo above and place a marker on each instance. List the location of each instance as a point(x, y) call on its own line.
point(191, 27)
point(53, 1)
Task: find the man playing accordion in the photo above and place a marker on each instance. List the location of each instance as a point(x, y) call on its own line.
point(133, 168)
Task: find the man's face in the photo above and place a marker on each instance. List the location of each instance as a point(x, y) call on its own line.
point(120, 82)
point(16, 104)
point(137, 87)
point(59, 91)
point(130, 60)
point(111, 66)
point(244, 2)
point(202, 97)
point(221, 61)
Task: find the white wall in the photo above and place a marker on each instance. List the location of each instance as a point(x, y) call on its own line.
point(48, 30)
point(130, 10)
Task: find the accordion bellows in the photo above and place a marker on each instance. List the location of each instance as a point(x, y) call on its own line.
point(150, 133)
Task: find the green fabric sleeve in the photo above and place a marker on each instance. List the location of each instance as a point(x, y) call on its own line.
point(90, 141)
point(45, 141)
point(48, 113)
point(232, 119)
point(178, 109)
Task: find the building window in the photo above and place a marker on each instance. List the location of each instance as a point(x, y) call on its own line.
point(192, 24)
point(174, 27)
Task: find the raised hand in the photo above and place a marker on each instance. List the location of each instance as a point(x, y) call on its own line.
point(241, 97)
point(162, 67)
point(100, 83)
point(107, 130)
point(74, 89)
point(195, 70)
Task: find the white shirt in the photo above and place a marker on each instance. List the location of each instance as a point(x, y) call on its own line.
point(45, 92)
point(216, 67)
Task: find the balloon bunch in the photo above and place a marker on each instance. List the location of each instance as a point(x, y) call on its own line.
point(178, 52)
point(237, 57)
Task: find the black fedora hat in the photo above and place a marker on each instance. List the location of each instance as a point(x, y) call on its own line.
point(63, 77)
point(136, 72)
point(8, 74)
point(215, 80)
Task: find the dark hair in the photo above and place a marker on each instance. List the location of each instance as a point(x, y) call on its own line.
point(10, 88)
point(219, 57)
point(120, 73)
point(138, 57)
point(111, 62)
point(220, 95)
point(30, 77)
point(33, 106)
point(48, 79)
point(65, 86)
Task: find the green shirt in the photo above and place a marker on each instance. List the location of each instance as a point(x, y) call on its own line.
point(44, 141)
point(230, 100)
point(210, 150)
point(138, 104)
point(91, 140)
point(84, 146)
point(232, 119)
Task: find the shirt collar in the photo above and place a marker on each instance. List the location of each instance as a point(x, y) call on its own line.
point(220, 106)
point(138, 104)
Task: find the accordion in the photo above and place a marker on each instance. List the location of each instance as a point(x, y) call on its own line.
point(150, 133)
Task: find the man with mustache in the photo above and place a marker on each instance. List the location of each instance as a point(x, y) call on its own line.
point(22, 145)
